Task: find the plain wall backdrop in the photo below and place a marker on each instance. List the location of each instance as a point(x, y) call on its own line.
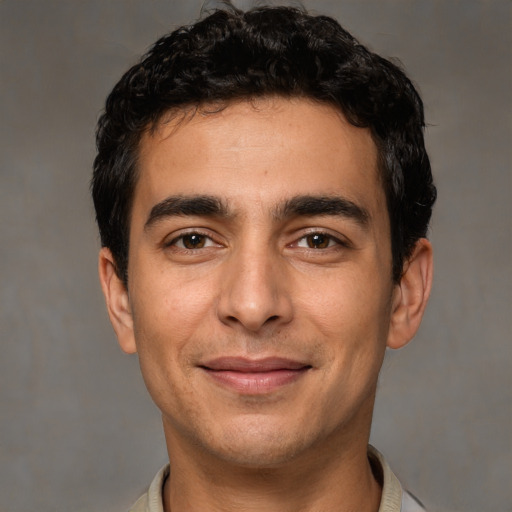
point(77, 428)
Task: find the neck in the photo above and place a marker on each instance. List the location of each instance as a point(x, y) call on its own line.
point(275, 490)
point(333, 477)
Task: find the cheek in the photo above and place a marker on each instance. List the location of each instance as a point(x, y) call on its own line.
point(346, 304)
point(169, 308)
point(165, 322)
point(351, 314)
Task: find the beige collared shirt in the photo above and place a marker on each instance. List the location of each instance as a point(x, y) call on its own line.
point(394, 499)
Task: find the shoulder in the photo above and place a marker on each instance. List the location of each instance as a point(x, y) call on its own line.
point(152, 500)
point(394, 498)
point(141, 505)
point(411, 503)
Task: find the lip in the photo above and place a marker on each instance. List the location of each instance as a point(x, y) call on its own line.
point(254, 376)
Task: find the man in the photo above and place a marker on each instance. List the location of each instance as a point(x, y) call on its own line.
point(263, 194)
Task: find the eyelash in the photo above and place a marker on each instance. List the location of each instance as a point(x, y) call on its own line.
point(332, 241)
point(182, 236)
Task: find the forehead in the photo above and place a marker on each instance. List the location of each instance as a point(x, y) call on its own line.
point(263, 150)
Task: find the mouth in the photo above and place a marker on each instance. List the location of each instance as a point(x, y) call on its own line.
point(254, 376)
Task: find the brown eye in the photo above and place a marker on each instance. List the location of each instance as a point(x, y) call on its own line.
point(193, 241)
point(318, 241)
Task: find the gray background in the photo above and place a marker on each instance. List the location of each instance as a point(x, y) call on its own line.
point(77, 429)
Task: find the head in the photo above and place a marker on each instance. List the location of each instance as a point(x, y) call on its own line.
point(262, 192)
point(232, 55)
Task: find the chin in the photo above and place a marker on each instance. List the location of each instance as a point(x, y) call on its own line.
point(254, 446)
point(259, 457)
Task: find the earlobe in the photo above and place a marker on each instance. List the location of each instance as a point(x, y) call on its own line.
point(117, 300)
point(411, 295)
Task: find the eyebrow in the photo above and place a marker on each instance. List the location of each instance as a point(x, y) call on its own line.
point(309, 206)
point(200, 205)
point(299, 206)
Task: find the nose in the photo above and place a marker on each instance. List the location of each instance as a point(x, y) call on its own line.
point(254, 292)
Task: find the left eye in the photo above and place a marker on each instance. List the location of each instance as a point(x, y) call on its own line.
point(192, 241)
point(317, 241)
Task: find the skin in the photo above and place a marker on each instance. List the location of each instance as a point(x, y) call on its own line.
point(258, 280)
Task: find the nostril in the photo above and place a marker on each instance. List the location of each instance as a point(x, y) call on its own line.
point(269, 319)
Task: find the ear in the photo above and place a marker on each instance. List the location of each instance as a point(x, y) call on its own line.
point(118, 303)
point(410, 295)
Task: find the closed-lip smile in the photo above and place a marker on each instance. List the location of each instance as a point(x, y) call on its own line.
point(254, 376)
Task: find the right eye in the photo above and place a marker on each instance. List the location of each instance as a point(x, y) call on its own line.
point(191, 241)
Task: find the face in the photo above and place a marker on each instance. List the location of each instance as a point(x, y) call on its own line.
point(260, 297)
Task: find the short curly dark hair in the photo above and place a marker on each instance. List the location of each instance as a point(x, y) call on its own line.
point(283, 51)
